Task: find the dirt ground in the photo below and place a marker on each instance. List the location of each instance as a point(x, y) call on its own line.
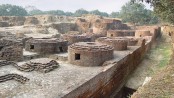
point(159, 66)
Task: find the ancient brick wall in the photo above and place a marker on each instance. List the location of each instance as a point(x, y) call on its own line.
point(155, 31)
point(4, 24)
point(46, 46)
point(12, 20)
point(64, 27)
point(142, 33)
point(12, 53)
point(119, 44)
point(129, 32)
point(11, 50)
point(120, 33)
point(89, 54)
point(93, 36)
point(115, 33)
point(83, 25)
point(31, 21)
point(132, 41)
point(104, 84)
point(112, 78)
point(76, 38)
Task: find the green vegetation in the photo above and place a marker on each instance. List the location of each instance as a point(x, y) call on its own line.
point(131, 12)
point(136, 13)
point(164, 50)
point(160, 56)
point(162, 8)
point(77, 13)
point(12, 10)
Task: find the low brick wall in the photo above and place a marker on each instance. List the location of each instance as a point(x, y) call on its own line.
point(111, 80)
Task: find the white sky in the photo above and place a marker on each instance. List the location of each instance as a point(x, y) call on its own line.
point(71, 5)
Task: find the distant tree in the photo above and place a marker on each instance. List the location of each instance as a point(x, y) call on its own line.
point(12, 10)
point(104, 14)
point(137, 14)
point(36, 12)
point(162, 8)
point(114, 14)
point(68, 13)
point(80, 12)
point(97, 12)
point(55, 12)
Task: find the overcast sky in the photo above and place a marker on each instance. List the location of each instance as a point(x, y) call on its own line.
point(71, 5)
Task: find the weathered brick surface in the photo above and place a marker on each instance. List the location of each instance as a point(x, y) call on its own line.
point(142, 33)
point(112, 79)
point(115, 33)
point(76, 38)
point(120, 33)
point(91, 54)
point(11, 50)
point(46, 46)
point(119, 44)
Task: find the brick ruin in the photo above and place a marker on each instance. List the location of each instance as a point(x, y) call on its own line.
point(11, 50)
point(43, 65)
point(89, 53)
point(142, 33)
point(115, 33)
point(120, 33)
point(109, 46)
point(46, 45)
point(15, 77)
point(136, 41)
point(119, 44)
point(99, 25)
point(93, 36)
point(83, 25)
point(73, 38)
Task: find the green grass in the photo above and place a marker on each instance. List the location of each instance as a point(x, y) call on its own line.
point(159, 56)
point(166, 52)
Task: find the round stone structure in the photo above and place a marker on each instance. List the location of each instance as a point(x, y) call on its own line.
point(89, 53)
point(119, 43)
point(142, 33)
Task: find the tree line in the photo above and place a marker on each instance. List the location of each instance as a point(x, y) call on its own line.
point(162, 8)
point(77, 13)
point(135, 13)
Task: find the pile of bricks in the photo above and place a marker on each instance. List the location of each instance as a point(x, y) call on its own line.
point(15, 77)
point(42, 65)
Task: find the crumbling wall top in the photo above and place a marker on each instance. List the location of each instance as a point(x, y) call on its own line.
point(45, 40)
point(91, 46)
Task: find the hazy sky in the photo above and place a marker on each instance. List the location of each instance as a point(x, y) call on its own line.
point(71, 5)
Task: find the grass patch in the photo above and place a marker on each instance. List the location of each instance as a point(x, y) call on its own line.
point(159, 57)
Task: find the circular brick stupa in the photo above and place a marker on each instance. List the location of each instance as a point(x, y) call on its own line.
point(89, 53)
point(119, 43)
